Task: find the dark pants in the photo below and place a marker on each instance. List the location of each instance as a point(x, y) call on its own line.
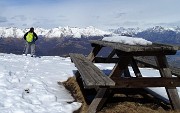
point(32, 46)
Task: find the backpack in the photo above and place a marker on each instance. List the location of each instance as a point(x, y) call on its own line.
point(29, 37)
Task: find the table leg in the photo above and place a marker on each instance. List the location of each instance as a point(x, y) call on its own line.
point(99, 100)
point(120, 67)
point(80, 83)
point(166, 72)
point(111, 55)
point(135, 68)
point(94, 52)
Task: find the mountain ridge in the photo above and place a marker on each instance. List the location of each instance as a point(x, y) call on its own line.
point(58, 32)
point(75, 32)
point(134, 31)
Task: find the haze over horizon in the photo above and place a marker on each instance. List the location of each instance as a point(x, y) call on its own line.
point(103, 14)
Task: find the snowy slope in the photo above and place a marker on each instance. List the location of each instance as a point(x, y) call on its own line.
point(58, 32)
point(29, 85)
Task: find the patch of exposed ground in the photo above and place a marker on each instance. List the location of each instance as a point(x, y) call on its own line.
point(126, 106)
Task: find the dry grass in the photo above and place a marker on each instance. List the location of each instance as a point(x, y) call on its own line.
point(130, 107)
point(118, 107)
point(74, 88)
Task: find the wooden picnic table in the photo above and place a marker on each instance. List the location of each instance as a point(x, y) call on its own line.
point(123, 55)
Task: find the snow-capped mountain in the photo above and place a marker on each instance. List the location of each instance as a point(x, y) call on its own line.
point(160, 29)
point(170, 35)
point(11, 32)
point(58, 32)
point(127, 31)
point(134, 31)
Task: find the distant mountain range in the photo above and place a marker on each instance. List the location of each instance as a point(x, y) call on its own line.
point(154, 34)
point(61, 41)
point(59, 32)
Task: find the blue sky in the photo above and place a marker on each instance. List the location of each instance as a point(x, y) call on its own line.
point(103, 14)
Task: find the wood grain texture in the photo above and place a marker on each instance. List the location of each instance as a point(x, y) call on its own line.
point(91, 75)
point(155, 48)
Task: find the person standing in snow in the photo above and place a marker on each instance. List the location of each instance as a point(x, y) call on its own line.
point(30, 38)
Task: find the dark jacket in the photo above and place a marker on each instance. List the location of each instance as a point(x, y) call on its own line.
point(34, 38)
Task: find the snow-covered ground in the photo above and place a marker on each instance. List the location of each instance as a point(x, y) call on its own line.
point(29, 85)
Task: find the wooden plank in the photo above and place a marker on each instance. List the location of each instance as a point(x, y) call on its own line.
point(143, 82)
point(156, 95)
point(96, 71)
point(147, 53)
point(90, 81)
point(94, 52)
point(121, 66)
point(106, 79)
point(135, 68)
point(91, 75)
point(177, 47)
point(127, 72)
point(165, 72)
point(99, 100)
point(151, 63)
point(81, 86)
point(105, 60)
point(86, 71)
point(146, 61)
point(166, 49)
point(111, 55)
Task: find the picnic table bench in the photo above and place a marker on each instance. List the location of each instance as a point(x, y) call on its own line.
point(120, 77)
point(91, 75)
